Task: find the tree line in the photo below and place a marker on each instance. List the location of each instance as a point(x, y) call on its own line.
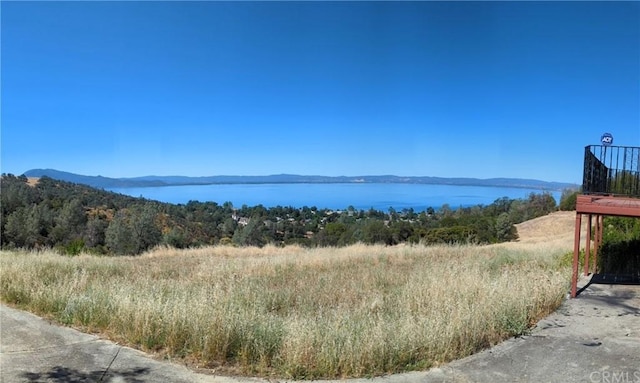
point(74, 218)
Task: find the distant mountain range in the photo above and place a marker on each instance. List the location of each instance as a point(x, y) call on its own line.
point(155, 181)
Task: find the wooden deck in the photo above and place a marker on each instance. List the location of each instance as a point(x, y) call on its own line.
point(611, 183)
point(595, 207)
point(608, 205)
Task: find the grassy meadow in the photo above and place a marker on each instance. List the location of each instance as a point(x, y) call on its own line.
point(296, 312)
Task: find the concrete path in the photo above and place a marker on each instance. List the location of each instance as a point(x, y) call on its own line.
point(34, 350)
point(594, 338)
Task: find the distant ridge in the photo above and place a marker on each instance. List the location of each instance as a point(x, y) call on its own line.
point(154, 181)
point(94, 181)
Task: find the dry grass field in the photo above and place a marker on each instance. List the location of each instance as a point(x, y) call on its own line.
point(304, 313)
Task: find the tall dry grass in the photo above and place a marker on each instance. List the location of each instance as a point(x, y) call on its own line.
point(295, 312)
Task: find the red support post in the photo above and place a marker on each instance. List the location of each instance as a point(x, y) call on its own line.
point(587, 247)
point(601, 231)
point(597, 241)
point(576, 256)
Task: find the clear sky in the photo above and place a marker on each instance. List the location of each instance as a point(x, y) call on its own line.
point(455, 89)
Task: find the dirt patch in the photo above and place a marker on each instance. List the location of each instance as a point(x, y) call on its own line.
point(32, 181)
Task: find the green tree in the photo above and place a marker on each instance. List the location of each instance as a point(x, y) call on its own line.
point(393, 214)
point(375, 232)
point(15, 194)
point(505, 230)
point(38, 226)
point(451, 235)
point(118, 236)
point(253, 234)
point(445, 210)
point(94, 234)
point(228, 227)
point(518, 211)
point(69, 222)
point(331, 234)
point(175, 238)
point(14, 233)
point(401, 231)
point(540, 204)
point(568, 199)
point(133, 231)
point(144, 228)
point(500, 205)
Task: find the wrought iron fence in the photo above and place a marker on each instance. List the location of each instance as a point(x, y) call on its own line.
point(611, 170)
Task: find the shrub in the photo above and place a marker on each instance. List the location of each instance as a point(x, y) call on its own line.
point(620, 249)
point(568, 200)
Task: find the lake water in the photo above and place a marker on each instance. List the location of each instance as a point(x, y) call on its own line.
point(334, 196)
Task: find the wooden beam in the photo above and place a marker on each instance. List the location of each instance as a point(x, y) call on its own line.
point(597, 241)
point(587, 246)
point(576, 255)
point(608, 205)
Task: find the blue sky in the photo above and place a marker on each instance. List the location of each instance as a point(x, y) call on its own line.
point(456, 89)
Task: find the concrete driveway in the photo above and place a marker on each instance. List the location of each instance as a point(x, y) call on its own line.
point(594, 338)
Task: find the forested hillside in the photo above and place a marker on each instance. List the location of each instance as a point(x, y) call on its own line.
point(74, 218)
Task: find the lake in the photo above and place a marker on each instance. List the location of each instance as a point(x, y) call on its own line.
point(334, 196)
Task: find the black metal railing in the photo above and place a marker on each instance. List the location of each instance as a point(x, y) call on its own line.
point(611, 170)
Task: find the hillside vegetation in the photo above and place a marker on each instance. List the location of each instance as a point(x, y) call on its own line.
point(74, 218)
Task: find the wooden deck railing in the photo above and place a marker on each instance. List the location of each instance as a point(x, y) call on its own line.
point(611, 170)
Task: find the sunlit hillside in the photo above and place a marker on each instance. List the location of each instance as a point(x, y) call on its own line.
point(556, 227)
